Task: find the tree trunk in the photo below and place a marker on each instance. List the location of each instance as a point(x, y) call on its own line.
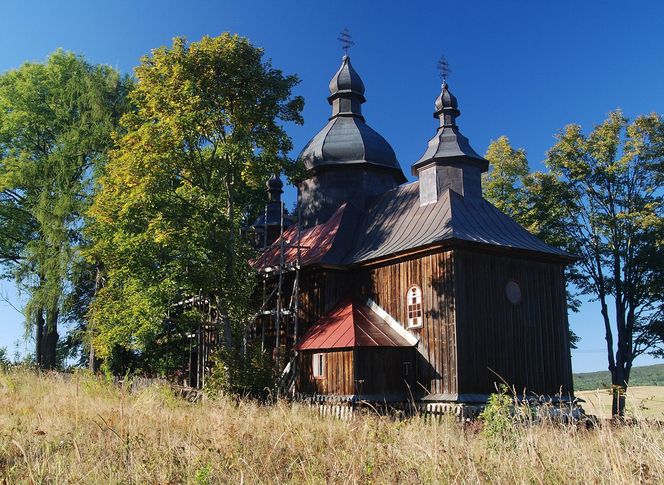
point(93, 362)
point(224, 321)
point(222, 308)
point(618, 400)
point(51, 340)
point(39, 338)
point(618, 391)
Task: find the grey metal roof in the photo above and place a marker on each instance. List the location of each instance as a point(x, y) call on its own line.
point(396, 223)
point(346, 80)
point(347, 139)
point(448, 143)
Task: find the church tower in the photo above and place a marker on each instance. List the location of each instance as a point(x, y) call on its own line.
point(449, 161)
point(347, 161)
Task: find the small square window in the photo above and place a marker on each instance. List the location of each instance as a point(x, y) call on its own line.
point(318, 365)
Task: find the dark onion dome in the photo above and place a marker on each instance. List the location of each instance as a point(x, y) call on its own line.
point(448, 144)
point(347, 140)
point(274, 187)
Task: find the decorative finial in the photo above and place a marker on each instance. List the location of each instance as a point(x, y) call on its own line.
point(444, 69)
point(346, 41)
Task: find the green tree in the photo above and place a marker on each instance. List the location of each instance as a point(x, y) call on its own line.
point(205, 135)
point(602, 199)
point(502, 183)
point(55, 124)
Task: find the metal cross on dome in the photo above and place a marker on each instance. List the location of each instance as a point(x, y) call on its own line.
point(346, 40)
point(444, 69)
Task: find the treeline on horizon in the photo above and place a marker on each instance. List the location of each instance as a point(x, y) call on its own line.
point(123, 195)
point(646, 375)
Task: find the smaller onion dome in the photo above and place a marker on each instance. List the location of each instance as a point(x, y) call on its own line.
point(267, 226)
point(446, 103)
point(274, 188)
point(346, 81)
point(448, 144)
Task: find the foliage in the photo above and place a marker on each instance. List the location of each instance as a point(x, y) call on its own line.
point(185, 176)
point(502, 417)
point(4, 358)
point(608, 210)
point(249, 373)
point(55, 125)
point(507, 169)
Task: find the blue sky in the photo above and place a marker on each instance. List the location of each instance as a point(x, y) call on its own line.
point(521, 69)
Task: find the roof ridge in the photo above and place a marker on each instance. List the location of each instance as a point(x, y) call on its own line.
point(357, 308)
point(364, 141)
point(324, 132)
point(447, 193)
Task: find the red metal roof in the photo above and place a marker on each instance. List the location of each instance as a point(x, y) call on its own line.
point(315, 242)
point(351, 324)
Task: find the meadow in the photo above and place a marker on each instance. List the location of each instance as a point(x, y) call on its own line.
point(84, 430)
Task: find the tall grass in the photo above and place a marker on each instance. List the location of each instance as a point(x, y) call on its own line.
point(81, 430)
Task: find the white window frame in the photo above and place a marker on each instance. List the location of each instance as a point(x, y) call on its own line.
point(318, 362)
point(414, 309)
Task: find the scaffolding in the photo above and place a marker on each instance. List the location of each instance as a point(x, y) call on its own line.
point(280, 306)
point(277, 317)
point(203, 340)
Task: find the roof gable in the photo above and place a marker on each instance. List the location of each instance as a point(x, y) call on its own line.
point(351, 324)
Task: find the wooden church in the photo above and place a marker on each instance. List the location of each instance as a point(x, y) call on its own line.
point(384, 290)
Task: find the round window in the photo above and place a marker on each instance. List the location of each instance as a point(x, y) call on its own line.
point(513, 292)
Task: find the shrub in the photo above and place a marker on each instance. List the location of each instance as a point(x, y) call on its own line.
point(244, 374)
point(4, 360)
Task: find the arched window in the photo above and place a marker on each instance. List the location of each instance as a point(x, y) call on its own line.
point(414, 305)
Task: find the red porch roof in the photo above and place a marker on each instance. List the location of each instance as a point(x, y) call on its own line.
point(351, 324)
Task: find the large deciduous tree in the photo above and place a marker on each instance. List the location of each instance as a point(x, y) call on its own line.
point(607, 189)
point(205, 135)
point(56, 119)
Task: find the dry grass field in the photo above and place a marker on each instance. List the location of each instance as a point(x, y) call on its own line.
point(80, 430)
point(642, 401)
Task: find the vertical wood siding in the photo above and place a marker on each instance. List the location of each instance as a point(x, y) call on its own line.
point(471, 333)
point(526, 344)
point(339, 376)
point(434, 273)
point(383, 371)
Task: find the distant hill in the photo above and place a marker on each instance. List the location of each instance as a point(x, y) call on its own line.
point(648, 375)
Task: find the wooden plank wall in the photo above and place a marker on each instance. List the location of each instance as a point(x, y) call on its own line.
point(382, 370)
point(339, 377)
point(527, 344)
point(387, 285)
